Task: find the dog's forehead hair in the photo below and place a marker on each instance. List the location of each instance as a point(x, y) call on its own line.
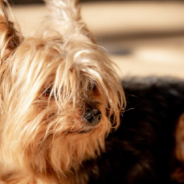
point(72, 65)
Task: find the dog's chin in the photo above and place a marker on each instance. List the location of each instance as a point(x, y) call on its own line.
point(88, 129)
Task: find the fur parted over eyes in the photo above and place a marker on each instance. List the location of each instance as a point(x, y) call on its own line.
point(50, 92)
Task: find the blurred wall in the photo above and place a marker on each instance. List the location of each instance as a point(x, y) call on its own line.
point(142, 37)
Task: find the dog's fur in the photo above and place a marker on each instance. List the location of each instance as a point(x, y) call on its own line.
point(52, 86)
point(60, 98)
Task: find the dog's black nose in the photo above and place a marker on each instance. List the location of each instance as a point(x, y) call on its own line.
point(92, 116)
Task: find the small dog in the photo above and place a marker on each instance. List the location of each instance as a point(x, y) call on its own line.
point(61, 101)
point(58, 90)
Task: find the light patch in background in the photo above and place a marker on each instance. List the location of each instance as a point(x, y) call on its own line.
point(152, 56)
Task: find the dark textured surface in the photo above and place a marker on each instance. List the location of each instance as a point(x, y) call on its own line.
point(141, 151)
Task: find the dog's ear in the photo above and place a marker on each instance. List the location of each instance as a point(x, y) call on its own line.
point(10, 38)
point(66, 18)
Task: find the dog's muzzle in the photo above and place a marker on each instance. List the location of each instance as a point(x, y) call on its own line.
point(92, 116)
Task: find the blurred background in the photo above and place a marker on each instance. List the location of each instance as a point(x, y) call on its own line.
point(142, 37)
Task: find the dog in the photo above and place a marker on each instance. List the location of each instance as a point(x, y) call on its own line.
point(61, 102)
point(58, 91)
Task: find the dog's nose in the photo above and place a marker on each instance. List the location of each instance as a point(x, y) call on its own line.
point(92, 116)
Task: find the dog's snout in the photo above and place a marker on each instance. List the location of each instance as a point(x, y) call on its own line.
point(92, 116)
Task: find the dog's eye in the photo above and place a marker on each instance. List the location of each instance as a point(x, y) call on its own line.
point(47, 92)
point(92, 87)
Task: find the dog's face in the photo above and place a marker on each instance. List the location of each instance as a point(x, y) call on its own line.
point(57, 97)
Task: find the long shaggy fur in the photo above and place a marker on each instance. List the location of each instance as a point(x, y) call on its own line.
point(47, 83)
point(52, 82)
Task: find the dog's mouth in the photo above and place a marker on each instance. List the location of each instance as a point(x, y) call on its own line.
point(84, 130)
point(89, 129)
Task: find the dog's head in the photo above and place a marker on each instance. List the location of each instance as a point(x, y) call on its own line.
point(58, 91)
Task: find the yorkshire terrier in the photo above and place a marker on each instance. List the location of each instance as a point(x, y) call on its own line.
point(58, 90)
point(61, 102)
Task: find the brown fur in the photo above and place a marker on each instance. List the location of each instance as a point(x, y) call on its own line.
point(46, 84)
point(178, 173)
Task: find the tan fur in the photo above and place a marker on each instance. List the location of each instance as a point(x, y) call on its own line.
point(40, 133)
point(178, 173)
point(179, 150)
